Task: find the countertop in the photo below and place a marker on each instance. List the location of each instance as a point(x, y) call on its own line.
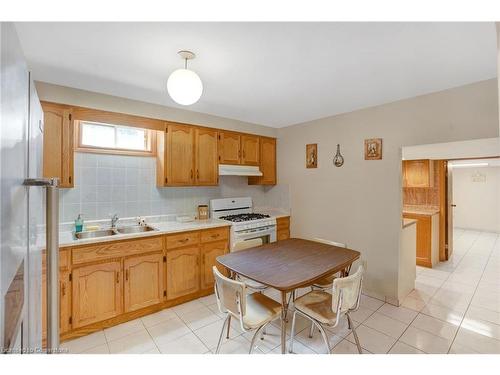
point(423, 210)
point(408, 222)
point(66, 238)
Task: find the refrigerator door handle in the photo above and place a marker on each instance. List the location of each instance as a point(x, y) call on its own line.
point(52, 247)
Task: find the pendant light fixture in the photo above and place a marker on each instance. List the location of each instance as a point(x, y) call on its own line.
point(184, 86)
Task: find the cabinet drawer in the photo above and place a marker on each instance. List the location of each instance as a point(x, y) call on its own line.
point(63, 260)
point(216, 234)
point(183, 239)
point(109, 250)
point(283, 223)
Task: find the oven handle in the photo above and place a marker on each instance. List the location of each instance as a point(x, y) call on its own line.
point(269, 228)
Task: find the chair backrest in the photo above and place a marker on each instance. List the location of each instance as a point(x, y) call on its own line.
point(347, 291)
point(255, 242)
point(230, 294)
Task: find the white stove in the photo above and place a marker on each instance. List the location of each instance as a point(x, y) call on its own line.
point(246, 225)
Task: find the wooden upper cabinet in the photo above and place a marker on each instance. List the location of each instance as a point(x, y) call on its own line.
point(229, 148)
point(144, 283)
point(183, 272)
point(180, 155)
point(418, 173)
point(58, 143)
point(96, 293)
point(250, 149)
point(267, 163)
point(207, 167)
point(209, 253)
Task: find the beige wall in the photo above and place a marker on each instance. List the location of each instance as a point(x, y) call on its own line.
point(72, 96)
point(360, 203)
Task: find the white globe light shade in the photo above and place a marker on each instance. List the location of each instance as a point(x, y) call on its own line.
point(184, 86)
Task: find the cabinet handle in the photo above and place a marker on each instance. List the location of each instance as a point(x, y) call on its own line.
point(69, 179)
point(191, 174)
point(118, 277)
point(215, 235)
point(239, 153)
point(197, 174)
point(126, 275)
point(184, 240)
point(63, 289)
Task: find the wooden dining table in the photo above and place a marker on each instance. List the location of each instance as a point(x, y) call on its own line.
point(288, 265)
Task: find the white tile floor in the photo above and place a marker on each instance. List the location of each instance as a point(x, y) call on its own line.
point(455, 308)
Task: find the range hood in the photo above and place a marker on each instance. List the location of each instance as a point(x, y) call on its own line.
point(238, 170)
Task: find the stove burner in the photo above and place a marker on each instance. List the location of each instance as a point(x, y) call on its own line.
point(244, 217)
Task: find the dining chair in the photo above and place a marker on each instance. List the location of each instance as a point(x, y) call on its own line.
point(253, 311)
point(325, 309)
point(325, 282)
point(252, 285)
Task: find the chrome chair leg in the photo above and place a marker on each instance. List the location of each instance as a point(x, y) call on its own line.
point(254, 336)
point(292, 333)
point(311, 331)
point(356, 338)
point(222, 333)
point(228, 326)
point(325, 337)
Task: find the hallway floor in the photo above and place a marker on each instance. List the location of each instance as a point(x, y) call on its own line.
point(455, 308)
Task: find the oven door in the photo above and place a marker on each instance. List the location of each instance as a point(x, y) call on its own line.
point(246, 238)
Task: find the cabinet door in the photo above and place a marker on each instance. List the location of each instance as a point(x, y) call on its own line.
point(418, 173)
point(250, 149)
point(183, 272)
point(267, 163)
point(180, 154)
point(97, 293)
point(58, 144)
point(143, 281)
point(64, 303)
point(207, 167)
point(209, 252)
point(229, 148)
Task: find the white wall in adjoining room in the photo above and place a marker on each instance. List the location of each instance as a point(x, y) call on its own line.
point(476, 193)
point(360, 203)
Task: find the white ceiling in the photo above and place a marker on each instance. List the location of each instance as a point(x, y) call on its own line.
point(273, 74)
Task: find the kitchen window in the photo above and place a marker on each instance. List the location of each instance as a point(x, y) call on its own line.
point(114, 139)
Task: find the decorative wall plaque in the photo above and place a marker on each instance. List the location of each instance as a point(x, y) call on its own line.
point(312, 155)
point(373, 149)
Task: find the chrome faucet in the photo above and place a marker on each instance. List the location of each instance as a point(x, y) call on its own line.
point(114, 220)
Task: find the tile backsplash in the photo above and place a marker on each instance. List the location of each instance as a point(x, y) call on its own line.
point(126, 185)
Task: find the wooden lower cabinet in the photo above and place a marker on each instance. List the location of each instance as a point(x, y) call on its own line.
point(183, 272)
point(105, 284)
point(144, 282)
point(96, 293)
point(209, 253)
point(64, 303)
point(283, 228)
point(427, 239)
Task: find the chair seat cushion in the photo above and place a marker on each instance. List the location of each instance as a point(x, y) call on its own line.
point(324, 282)
point(318, 305)
point(260, 309)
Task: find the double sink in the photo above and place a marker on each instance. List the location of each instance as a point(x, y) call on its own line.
point(114, 231)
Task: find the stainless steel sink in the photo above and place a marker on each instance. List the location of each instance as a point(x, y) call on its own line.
point(134, 229)
point(95, 233)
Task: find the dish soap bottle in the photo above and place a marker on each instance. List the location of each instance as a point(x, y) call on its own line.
point(79, 224)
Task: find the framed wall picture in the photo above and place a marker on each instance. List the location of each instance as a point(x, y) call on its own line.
point(312, 155)
point(373, 149)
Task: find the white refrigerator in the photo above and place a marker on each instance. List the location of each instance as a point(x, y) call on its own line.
point(28, 209)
